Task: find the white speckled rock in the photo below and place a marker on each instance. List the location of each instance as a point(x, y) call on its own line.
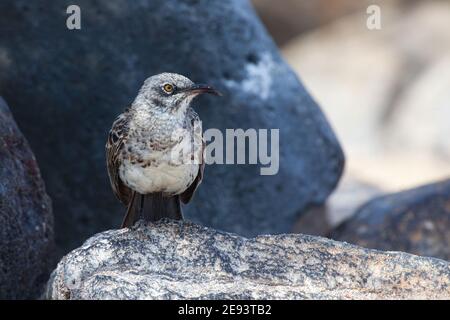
point(171, 260)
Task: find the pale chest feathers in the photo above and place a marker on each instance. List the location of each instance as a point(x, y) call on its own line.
point(164, 158)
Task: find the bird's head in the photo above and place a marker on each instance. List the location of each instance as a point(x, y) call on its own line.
point(171, 92)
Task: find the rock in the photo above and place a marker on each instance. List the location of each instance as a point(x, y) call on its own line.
point(378, 86)
point(67, 87)
point(415, 221)
point(26, 233)
point(351, 193)
point(170, 260)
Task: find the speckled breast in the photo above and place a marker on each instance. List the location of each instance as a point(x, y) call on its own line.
point(169, 167)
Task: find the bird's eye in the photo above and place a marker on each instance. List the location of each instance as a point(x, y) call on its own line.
point(168, 88)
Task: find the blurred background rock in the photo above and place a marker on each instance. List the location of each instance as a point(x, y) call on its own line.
point(386, 92)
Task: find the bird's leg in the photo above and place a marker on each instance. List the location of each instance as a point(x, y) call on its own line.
point(141, 207)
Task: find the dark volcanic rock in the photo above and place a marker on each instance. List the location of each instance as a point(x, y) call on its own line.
point(416, 221)
point(68, 86)
point(170, 260)
point(26, 232)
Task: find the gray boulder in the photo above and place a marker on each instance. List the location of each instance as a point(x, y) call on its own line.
point(415, 221)
point(181, 260)
point(67, 87)
point(26, 232)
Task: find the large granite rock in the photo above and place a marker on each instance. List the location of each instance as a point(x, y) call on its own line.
point(176, 260)
point(26, 232)
point(415, 221)
point(67, 86)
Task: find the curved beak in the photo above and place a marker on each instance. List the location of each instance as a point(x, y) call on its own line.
point(200, 89)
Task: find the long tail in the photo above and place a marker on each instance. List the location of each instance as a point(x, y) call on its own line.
point(152, 207)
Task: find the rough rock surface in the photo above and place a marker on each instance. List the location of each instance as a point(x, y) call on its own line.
point(67, 86)
point(26, 221)
point(171, 260)
point(415, 221)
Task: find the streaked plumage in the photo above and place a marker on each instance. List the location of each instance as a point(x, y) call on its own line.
point(155, 148)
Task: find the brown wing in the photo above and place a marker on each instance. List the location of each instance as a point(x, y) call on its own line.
point(116, 139)
point(187, 195)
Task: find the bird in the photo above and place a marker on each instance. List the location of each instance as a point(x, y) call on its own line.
point(148, 166)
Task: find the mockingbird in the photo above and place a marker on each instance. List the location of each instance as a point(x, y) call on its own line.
point(148, 166)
